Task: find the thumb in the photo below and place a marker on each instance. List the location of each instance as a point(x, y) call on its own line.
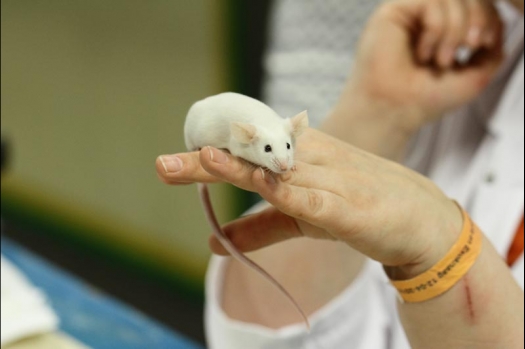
point(259, 230)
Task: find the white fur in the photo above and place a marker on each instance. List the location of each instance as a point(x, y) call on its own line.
point(255, 125)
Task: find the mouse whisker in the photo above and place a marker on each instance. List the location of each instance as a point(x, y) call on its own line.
point(267, 170)
point(275, 163)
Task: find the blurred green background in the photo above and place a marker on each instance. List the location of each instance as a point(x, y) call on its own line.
point(92, 92)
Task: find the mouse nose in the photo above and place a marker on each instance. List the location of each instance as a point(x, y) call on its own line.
point(283, 166)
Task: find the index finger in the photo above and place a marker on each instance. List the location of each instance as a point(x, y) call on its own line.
point(182, 168)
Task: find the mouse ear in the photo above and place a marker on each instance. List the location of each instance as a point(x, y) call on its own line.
point(243, 133)
point(299, 123)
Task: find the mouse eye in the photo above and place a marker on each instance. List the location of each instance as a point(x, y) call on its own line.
point(287, 145)
point(268, 148)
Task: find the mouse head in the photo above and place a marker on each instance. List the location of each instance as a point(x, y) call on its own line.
point(268, 146)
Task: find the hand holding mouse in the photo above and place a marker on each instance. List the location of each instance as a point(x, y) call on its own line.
point(378, 207)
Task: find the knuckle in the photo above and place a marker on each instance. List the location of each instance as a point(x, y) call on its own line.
point(286, 196)
point(191, 161)
point(434, 24)
point(315, 203)
point(286, 201)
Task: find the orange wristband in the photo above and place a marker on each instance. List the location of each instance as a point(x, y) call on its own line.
point(447, 272)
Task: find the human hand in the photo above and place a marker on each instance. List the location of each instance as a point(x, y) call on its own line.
point(404, 58)
point(450, 24)
point(338, 192)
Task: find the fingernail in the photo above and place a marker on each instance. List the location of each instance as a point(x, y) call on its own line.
point(171, 163)
point(217, 156)
point(474, 36)
point(267, 177)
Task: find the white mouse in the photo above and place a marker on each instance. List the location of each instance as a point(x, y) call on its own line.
point(246, 127)
point(251, 130)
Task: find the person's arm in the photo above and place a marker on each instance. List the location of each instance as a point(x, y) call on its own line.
point(403, 78)
point(483, 311)
point(371, 114)
point(394, 216)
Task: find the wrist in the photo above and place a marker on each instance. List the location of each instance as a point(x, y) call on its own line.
point(406, 111)
point(443, 232)
point(403, 118)
point(372, 124)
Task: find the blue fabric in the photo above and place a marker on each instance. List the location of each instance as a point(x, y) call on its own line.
point(89, 316)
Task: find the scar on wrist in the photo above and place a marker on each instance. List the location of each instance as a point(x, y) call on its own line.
point(469, 301)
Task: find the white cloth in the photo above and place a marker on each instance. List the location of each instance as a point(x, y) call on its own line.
point(476, 156)
point(24, 308)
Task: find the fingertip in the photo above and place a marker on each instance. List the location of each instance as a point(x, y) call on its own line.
point(160, 165)
point(162, 178)
point(216, 247)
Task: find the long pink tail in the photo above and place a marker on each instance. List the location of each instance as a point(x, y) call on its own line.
point(228, 245)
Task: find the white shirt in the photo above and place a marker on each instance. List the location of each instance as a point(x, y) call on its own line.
point(476, 155)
